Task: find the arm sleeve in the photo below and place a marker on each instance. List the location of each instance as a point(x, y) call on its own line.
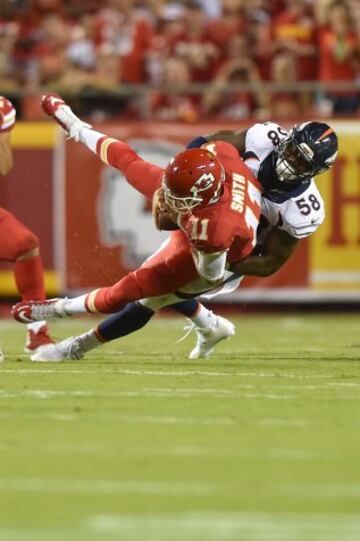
point(197, 142)
point(211, 266)
point(143, 176)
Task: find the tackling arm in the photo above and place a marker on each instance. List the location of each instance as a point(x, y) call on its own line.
point(278, 248)
point(236, 138)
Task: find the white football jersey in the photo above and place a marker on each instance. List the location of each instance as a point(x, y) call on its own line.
point(298, 212)
point(299, 216)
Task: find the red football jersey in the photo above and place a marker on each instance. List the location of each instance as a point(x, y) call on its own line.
point(231, 223)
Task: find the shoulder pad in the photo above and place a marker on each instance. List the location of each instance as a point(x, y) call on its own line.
point(260, 141)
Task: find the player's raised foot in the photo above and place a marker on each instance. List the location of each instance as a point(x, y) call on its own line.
point(68, 349)
point(53, 105)
point(207, 337)
point(29, 311)
point(50, 103)
point(37, 340)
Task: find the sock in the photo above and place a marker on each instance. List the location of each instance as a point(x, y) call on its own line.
point(203, 317)
point(131, 318)
point(36, 326)
point(29, 278)
point(89, 340)
point(187, 308)
point(74, 306)
point(90, 138)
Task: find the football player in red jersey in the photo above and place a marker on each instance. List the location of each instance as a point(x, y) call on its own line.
point(209, 193)
point(18, 244)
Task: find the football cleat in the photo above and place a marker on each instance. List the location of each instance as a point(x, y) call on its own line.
point(68, 349)
point(53, 105)
point(30, 311)
point(38, 340)
point(207, 337)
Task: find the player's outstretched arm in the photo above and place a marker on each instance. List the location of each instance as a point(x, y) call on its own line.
point(7, 122)
point(236, 138)
point(277, 250)
point(143, 176)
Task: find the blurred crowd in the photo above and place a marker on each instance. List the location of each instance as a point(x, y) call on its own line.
point(231, 50)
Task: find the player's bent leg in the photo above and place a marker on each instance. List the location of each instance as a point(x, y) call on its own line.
point(210, 328)
point(132, 318)
point(169, 269)
point(21, 246)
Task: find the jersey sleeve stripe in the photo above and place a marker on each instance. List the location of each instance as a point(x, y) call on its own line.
point(90, 301)
point(104, 148)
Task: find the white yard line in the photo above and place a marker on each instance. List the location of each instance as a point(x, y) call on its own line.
point(256, 526)
point(324, 491)
point(96, 487)
point(172, 373)
point(212, 526)
point(149, 392)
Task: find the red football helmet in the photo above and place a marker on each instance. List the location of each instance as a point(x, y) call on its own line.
point(193, 178)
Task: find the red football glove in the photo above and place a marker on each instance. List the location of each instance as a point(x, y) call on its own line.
point(7, 115)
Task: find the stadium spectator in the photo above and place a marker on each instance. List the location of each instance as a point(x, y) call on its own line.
point(178, 106)
point(231, 22)
point(170, 28)
point(50, 51)
point(81, 50)
point(50, 43)
point(196, 46)
point(121, 27)
point(294, 30)
point(339, 56)
point(286, 103)
point(238, 68)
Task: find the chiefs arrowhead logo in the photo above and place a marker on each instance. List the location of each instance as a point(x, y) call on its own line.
point(203, 183)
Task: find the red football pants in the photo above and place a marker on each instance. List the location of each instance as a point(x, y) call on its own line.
point(169, 269)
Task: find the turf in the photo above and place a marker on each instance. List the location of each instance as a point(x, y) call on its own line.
point(137, 443)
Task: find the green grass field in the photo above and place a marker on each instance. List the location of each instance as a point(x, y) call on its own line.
point(262, 443)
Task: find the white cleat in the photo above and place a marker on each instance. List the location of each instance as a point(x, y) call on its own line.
point(30, 311)
point(53, 105)
point(207, 337)
point(68, 349)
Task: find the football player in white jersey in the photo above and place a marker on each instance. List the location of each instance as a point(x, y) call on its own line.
point(285, 163)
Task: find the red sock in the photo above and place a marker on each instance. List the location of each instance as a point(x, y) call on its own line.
point(29, 278)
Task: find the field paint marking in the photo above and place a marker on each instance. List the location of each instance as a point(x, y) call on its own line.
point(330, 490)
point(84, 486)
point(62, 417)
point(283, 422)
point(181, 451)
point(156, 392)
point(212, 526)
point(256, 526)
point(171, 373)
point(176, 420)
